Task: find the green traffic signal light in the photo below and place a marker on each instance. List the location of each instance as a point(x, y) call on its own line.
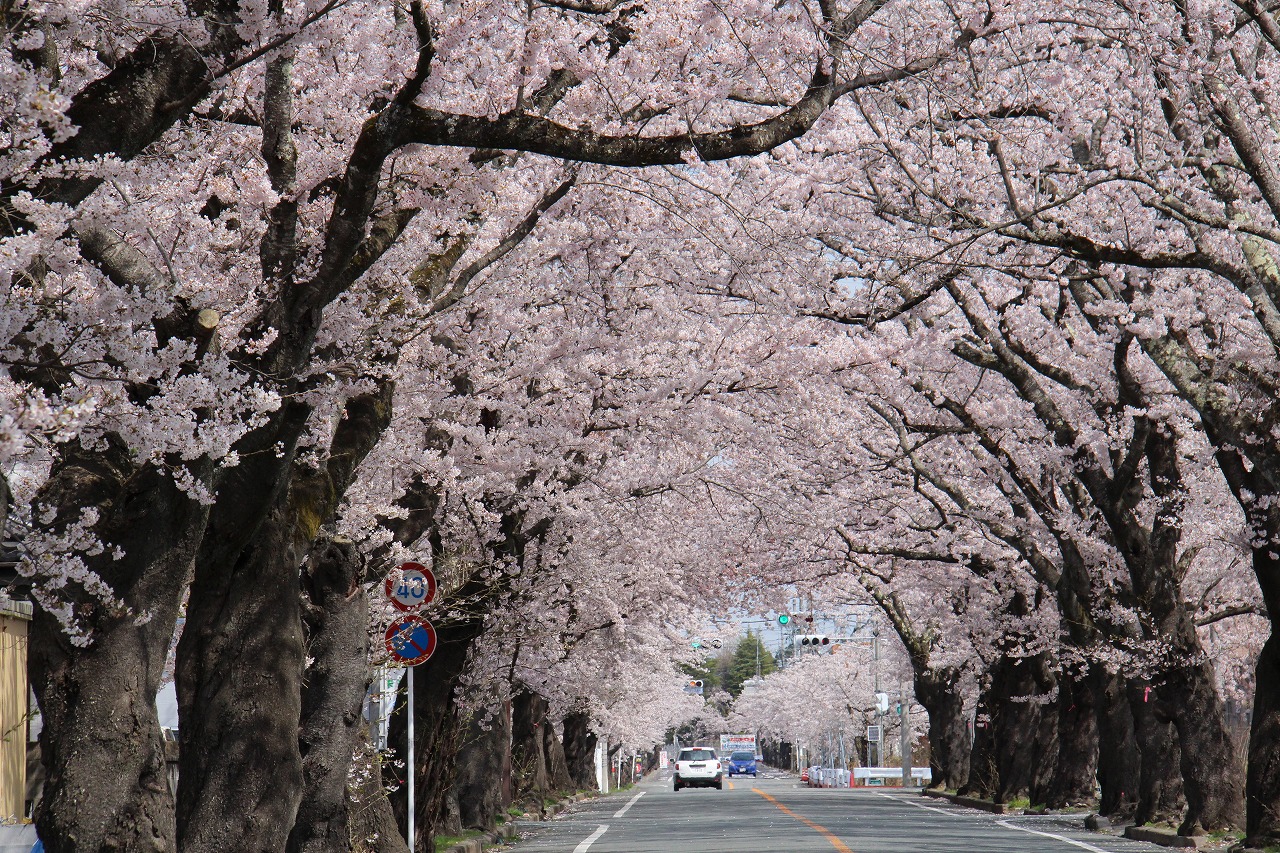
point(784, 619)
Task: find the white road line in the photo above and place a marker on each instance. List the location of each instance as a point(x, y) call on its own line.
point(620, 812)
point(1003, 823)
point(591, 839)
point(1089, 847)
point(951, 814)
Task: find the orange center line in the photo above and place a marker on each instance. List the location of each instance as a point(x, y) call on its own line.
point(828, 834)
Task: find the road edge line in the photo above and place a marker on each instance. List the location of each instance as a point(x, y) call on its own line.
point(586, 843)
point(620, 812)
point(1054, 836)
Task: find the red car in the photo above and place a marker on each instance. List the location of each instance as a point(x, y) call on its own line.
point(804, 775)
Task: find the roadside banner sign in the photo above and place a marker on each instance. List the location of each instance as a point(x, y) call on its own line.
point(410, 640)
point(411, 586)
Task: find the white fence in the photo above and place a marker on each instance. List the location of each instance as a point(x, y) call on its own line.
point(834, 777)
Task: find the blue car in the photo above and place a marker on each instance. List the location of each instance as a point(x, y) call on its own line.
point(742, 763)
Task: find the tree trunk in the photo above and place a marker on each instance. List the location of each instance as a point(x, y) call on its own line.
point(984, 771)
point(1263, 785)
point(557, 764)
point(1160, 794)
point(1007, 751)
point(1119, 759)
point(1076, 769)
point(1041, 760)
point(938, 690)
point(371, 821)
point(239, 688)
point(106, 785)
point(580, 750)
point(241, 656)
point(240, 659)
point(1211, 775)
point(482, 787)
point(528, 758)
point(336, 618)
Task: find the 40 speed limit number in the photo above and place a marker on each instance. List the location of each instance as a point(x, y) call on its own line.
point(411, 586)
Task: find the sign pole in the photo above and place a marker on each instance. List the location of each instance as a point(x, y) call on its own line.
point(411, 772)
point(410, 640)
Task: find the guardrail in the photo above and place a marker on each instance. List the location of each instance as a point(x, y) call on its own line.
point(835, 777)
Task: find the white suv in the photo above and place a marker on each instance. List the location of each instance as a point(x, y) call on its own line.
point(698, 765)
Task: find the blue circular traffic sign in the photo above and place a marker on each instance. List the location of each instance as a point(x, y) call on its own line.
point(410, 640)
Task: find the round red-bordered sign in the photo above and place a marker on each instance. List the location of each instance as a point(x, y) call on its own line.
point(410, 586)
point(410, 640)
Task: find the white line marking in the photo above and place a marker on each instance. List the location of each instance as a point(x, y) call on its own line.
point(1003, 823)
point(620, 812)
point(1089, 847)
point(951, 814)
point(591, 839)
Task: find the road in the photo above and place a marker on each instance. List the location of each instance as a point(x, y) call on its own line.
point(778, 815)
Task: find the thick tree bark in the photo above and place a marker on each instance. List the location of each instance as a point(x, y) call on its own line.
point(1160, 795)
point(1186, 687)
point(482, 788)
point(1263, 783)
point(371, 820)
point(240, 663)
point(1076, 770)
point(528, 756)
point(102, 751)
point(1020, 731)
point(938, 690)
point(580, 750)
point(1211, 775)
point(1119, 759)
point(241, 656)
point(557, 763)
point(984, 770)
point(336, 619)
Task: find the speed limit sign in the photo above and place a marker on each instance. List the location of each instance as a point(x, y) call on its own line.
point(411, 586)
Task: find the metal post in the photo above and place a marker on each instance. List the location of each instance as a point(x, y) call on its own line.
point(410, 767)
point(875, 670)
point(906, 741)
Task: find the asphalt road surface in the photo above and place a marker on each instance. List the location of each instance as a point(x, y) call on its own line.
point(775, 814)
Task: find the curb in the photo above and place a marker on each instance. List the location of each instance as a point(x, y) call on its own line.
point(1163, 837)
point(507, 831)
point(970, 802)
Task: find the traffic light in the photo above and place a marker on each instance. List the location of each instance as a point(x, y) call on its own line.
point(784, 619)
point(696, 682)
point(716, 643)
point(824, 640)
point(696, 642)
